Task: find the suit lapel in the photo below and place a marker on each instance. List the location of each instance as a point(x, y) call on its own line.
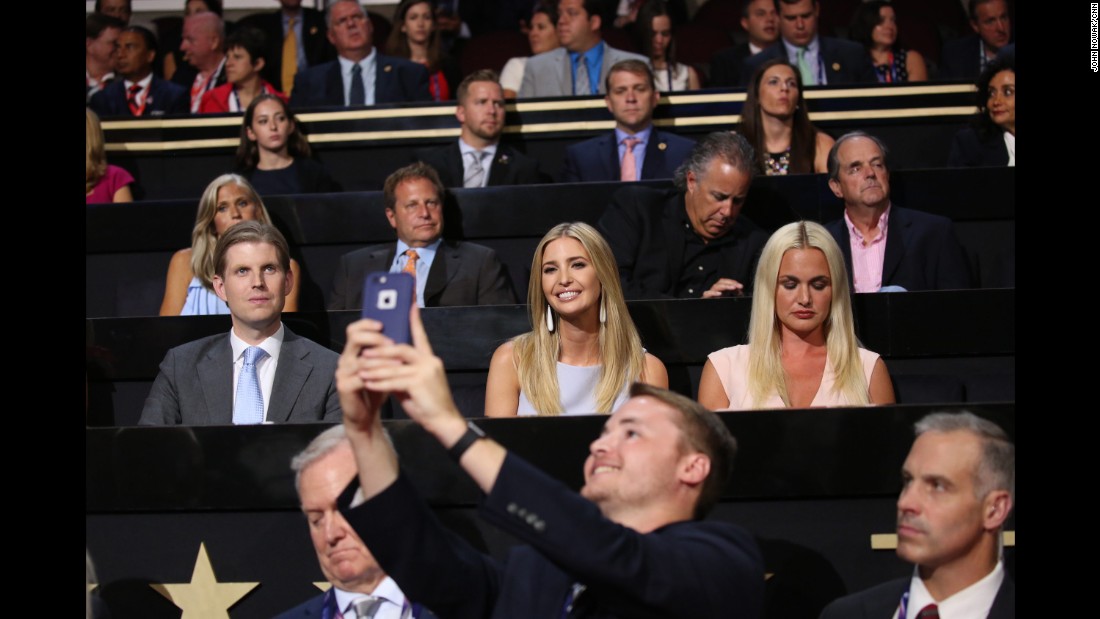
point(334, 85)
point(290, 377)
point(610, 159)
point(447, 262)
point(654, 155)
point(896, 232)
point(501, 171)
point(455, 166)
point(215, 372)
point(385, 88)
point(565, 75)
point(845, 242)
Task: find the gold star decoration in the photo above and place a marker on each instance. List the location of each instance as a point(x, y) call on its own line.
point(204, 597)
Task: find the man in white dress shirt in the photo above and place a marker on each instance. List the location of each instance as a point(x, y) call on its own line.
point(958, 485)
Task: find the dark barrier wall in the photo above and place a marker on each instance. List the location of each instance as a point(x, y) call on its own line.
point(945, 346)
point(812, 485)
point(176, 157)
point(128, 246)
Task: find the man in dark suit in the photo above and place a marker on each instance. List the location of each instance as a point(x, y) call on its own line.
point(360, 75)
point(477, 158)
point(761, 22)
point(101, 34)
point(446, 272)
point(295, 31)
point(689, 241)
point(632, 544)
point(261, 371)
point(139, 93)
point(958, 488)
point(964, 59)
point(203, 48)
point(820, 60)
point(885, 245)
point(636, 150)
point(322, 470)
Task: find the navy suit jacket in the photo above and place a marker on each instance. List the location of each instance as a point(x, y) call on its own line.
point(845, 62)
point(922, 251)
point(881, 601)
point(314, 41)
point(461, 274)
point(314, 606)
point(164, 98)
point(726, 66)
point(644, 228)
point(195, 384)
point(684, 569)
point(396, 80)
point(509, 167)
point(970, 151)
point(959, 59)
point(597, 159)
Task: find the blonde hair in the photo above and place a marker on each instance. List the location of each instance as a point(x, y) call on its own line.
point(535, 354)
point(766, 375)
point(203, 238)
point(95, 155)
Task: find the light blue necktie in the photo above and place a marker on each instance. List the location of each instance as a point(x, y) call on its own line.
point(581, 83)
point(249, 407)
point(358, 94)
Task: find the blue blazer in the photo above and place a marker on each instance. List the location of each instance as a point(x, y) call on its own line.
point(970, 151)
point(164, 98)
point(597, 159)
point(396, 80)
point(683, 569)
point(846, 62)
point(922, 251)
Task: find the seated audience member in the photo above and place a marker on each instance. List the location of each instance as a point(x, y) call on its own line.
point(654, 26)
point(581, 65)
point(820, 60)
point(966, 58)
point(887, 247)
point(875, 26)
point(203, 48)
point(446, 272)
point(635, 150)
point(244, 60)
point(100, 52)
point(171, 57)
point(360, 588)
point(688, 241)
point(139, 93)
point(261, 372)
point(103, 182)
point(991, 140)
point(543, 36)
point(275, 155)
point(583, 351)
point(761, 22)
point(802, 349)
point(958, 488)
point(360, 75)
point(776, 121)
point(477, 158)
point(189, 289)
point(292, 31)
point(633, 544)
point(119, 9)
point(415, 37)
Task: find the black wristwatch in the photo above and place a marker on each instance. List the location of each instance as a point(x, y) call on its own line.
point(473, 433)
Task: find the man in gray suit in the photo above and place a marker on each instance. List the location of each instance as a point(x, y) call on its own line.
point(581, 65)
point(261, 372)
point(447, 272)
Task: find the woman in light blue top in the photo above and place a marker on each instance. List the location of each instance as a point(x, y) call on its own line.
point(583, 352)
point(189, 289)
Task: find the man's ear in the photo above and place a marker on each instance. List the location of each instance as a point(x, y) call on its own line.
point(995, 509)
point(219, 287)
point(835, 187)
point(695, 469)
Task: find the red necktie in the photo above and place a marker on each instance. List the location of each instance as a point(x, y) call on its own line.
point(929, 612)
point(131, 100)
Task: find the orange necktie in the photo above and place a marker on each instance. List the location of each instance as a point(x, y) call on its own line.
point(410, 267)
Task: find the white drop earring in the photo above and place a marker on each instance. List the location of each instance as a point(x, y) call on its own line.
point(549, 319)
point(603, 312)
